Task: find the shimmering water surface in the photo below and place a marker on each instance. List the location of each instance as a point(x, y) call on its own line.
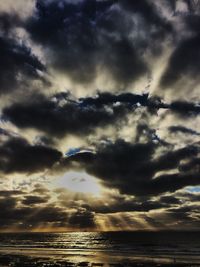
point(102, 247)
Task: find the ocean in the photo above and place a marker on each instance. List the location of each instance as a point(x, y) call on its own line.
point(101, 248)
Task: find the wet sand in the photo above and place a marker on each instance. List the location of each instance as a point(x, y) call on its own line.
point(28, 261)
point(101, 258)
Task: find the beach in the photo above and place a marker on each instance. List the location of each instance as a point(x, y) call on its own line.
point(111, 249)
point(28, 261)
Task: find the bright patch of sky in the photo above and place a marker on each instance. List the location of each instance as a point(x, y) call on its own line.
point(193, 189)
point(74, 151)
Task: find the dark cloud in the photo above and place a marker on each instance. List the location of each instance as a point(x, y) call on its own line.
point(46, 214)
point(183, 130)
point(34, 200)
point(145, 23)
point(108, 99)
point(193, 6)
point(17, 155)
point(35, 212)
point(66, 29)
point(18, 65)
point(79, 38)
point(172, 220)
point(82, 219)
point(8, 193)
point(84, 39)
point(40, 190)
point(184, 209)
point(109, 204)
point(70, 118)
point(134, 169)
point(172, 4)
point(8, 21)
point(193, 23)
point(7, 205)
point(170, 200)
point(173, 182)
point(189, 197)
point(26, 218)
point(171, 159)
point(186, 216)
point(183, 63)
point(123, 61)
point(61, 114)
point(151, 14)
point(191, 165)
point(185, 108)
point(29, 216)
point(144, 132)
point(122, 205)
point(4, 132)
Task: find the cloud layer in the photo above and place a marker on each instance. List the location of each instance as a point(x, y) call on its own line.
point(105, 93)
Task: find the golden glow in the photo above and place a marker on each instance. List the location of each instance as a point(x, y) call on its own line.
point(79, 182)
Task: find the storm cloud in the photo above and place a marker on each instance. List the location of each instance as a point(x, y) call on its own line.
point(61, 114)
point(105, 44)
point(133, 168)
point(70, 118)
point(100, 92)
point(183, 63)
point(17, 155)
point(19, 65)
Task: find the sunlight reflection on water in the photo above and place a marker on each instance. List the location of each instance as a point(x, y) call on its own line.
point(103, 247)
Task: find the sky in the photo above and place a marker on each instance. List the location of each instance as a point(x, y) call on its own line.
point(99, 115)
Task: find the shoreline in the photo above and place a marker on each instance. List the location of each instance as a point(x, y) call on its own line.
point(102, 258)
point(28, 261)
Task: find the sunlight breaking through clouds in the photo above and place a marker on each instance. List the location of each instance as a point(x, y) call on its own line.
point(79, 182)
point(99, 115)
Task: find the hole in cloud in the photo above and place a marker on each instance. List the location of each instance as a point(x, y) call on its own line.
point(79, 182)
